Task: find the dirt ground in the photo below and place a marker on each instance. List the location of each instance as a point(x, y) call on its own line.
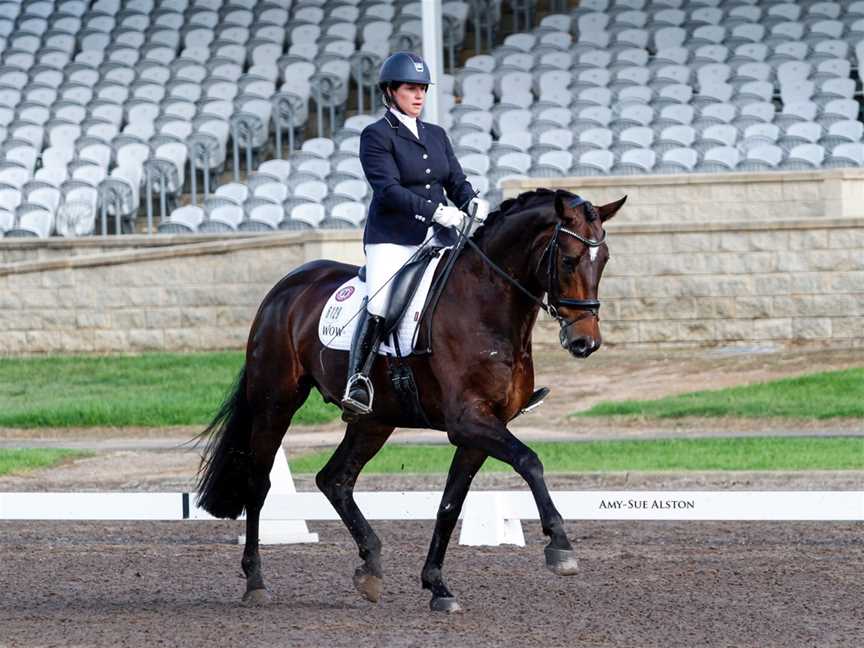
point(642, 584)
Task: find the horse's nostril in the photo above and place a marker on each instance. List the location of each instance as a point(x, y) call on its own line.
point(579, 346)
point(582, 346)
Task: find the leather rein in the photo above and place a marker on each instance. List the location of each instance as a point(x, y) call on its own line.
point(554, 301)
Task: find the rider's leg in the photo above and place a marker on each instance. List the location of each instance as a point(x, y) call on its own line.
point(358, 391)
point(383, 260)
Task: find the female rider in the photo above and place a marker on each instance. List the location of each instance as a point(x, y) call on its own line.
point(410, 165)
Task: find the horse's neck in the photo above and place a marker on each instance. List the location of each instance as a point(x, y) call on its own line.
point(516, 247)
point(517, 244)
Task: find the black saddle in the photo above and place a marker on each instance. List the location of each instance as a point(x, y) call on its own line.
point(403, 286)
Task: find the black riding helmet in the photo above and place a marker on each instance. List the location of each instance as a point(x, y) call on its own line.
point(402, 67)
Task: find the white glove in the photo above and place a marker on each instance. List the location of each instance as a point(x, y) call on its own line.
point(482, 209)
point(448, 216)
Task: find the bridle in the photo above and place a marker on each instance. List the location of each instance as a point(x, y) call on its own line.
point(554, 302)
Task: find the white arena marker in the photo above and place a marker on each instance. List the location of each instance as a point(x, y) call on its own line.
point(281, 531)
point(487, 520)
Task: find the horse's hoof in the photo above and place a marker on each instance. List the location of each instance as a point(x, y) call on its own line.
point(369, 586)
point(561, 562)
point(447, 604)
point(256, 598)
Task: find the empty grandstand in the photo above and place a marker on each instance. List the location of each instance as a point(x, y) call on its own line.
point(240, 115)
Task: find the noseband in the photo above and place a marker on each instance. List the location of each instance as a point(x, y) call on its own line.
point(554, 301)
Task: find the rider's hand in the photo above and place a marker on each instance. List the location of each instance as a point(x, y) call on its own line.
point(448, 216)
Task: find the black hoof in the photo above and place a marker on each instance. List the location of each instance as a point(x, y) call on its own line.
point(447, 604)
point(561, 562)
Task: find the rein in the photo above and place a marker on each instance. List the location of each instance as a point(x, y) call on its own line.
point(554, 301)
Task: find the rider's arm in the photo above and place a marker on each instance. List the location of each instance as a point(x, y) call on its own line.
point(383, 174)
point(458, 189)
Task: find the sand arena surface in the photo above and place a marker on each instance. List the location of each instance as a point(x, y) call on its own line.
point(641, 584)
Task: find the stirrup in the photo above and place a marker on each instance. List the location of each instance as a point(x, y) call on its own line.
point(356, 406)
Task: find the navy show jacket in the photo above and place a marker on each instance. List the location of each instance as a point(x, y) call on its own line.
point(409, 177)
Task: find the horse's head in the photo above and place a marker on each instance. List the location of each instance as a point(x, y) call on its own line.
point(575, 258)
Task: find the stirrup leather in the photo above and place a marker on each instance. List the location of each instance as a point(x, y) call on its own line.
point(357, 406)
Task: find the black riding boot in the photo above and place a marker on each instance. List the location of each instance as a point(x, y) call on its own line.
point(358, 391)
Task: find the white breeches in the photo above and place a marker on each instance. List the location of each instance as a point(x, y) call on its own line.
point(383, 261)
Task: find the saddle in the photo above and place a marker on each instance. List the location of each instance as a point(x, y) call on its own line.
point(404, 286)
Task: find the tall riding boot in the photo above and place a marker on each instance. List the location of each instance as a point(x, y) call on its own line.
point(359, 391)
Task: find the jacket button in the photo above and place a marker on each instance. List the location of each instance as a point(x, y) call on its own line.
point(425, 156)
point(428, 186)
point(428, 170)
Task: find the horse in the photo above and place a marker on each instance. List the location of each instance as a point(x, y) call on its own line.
point(479, 376)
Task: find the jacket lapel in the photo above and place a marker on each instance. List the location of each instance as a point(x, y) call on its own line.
point(403, 132)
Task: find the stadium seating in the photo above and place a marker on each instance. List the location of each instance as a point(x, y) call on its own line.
point(111, 104)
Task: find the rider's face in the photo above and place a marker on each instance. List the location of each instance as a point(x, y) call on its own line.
point(410, 97)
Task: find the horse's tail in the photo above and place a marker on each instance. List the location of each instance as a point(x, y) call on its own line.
point(223, 476)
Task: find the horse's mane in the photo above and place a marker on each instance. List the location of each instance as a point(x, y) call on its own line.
point(525, 200)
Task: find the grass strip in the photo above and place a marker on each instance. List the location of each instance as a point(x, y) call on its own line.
point(832, 394)
point(23, 459)
point(149, 390)
point(749, 453)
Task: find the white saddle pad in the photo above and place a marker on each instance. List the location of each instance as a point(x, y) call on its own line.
point(336, 331)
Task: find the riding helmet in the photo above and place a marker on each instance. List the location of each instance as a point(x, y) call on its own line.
point(404, 67)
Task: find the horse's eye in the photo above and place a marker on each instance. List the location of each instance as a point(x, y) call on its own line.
point(570, 263)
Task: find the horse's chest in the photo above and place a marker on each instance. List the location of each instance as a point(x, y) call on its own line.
point(509, 380)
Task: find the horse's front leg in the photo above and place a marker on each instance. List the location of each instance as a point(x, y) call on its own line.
point(489, 435)
point(464, 466)
point(336, 480)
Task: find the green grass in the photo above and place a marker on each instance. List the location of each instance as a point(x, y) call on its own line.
point(833, 394)
point(150, 390)
point(774, 453)
point(21, 459)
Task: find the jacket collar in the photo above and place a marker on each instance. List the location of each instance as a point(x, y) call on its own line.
point(402, 130)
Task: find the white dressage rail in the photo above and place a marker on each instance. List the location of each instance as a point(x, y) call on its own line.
point(488, 518)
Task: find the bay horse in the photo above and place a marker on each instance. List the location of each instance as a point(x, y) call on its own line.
point(478, 377)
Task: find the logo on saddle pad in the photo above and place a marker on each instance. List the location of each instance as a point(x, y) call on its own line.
point(344, 293)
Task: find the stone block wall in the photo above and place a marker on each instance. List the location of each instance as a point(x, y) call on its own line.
point(779, 283)
point(666, 284)
point(186, 297)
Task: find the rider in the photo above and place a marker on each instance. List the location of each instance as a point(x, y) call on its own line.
point(410, 165)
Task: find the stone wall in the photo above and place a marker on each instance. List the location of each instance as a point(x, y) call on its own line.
point(779, 282)
point(182, 297)
point(674, 282)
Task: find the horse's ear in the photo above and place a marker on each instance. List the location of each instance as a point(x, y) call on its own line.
point(559, 204)
point(609, 210)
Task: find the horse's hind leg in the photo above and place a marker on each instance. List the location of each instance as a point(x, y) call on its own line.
point(268, 427)
point(336, 480)
point(464, 466)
